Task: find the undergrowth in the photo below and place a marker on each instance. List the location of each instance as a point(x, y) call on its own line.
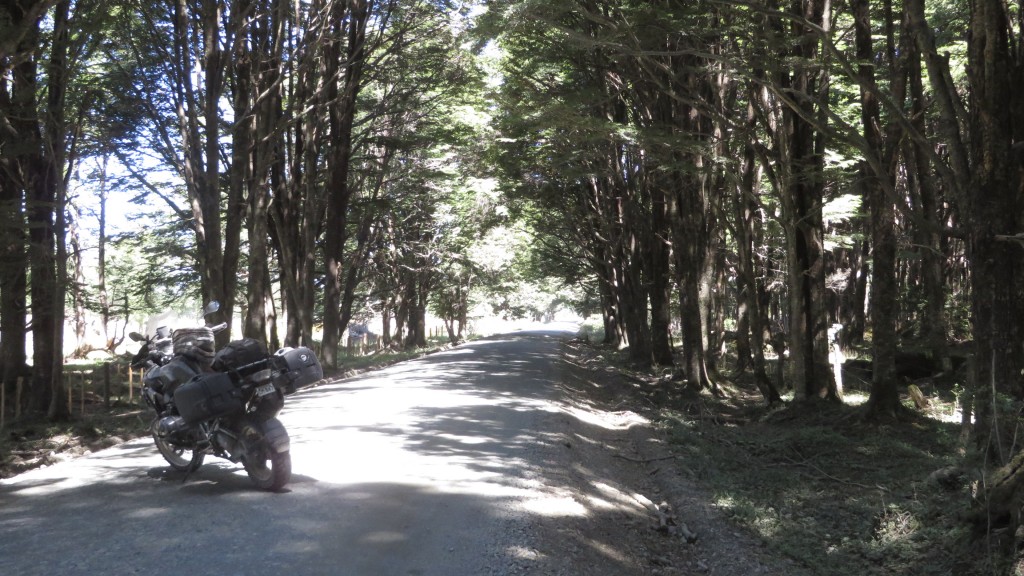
point(835, 494)
point(822, 485)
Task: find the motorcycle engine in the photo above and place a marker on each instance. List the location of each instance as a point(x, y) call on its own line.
point(170, 425)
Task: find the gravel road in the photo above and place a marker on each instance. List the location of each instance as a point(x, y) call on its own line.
point(445, 465)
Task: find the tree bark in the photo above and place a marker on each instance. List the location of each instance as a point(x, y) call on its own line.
point(659, 258)
point(691, 241)
point(296, 215)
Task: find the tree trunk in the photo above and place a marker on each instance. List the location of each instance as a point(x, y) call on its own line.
point(77, 285)
point(15, 106)
point(342, 119)
point(884, 401)
point(40, 204)
point(55, 167)
point(994, 208)
point(208, 189)
point(691, 239)
point(748, 292)
point(110, 341)
point(416, 302)
point(198, 111)
point(259, 101)
point(802, 207)
point(933, 323)
point(633, 298)
point(659, 257)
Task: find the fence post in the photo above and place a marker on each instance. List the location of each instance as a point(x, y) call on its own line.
point(3, 404)
point(106, 385)
point(131, 384)
point(17, 399)
point(81, 397)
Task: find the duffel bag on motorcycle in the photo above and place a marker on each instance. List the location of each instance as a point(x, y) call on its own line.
point(242, 357)
point(208, 396)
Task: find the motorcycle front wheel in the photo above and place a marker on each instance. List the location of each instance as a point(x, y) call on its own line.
point(181, 459)
point(269, 470)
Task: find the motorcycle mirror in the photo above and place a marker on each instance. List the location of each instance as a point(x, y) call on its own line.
point(211, 308)
point(137, 337)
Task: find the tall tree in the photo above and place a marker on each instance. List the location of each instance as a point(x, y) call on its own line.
point(258, 55)
point(297, 209)
point(39, 150)
point(884, 399)
point(177, 67)
point(15, 105)
point(347, 61)
point(994, 209)
point(802, 142)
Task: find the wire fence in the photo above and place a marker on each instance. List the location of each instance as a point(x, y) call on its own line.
point(103, 387)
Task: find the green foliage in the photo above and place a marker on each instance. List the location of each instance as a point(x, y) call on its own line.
point(153, 270)
point(837, 215)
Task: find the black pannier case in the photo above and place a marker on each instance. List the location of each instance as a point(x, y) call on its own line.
point(298, 368)
point(241, 356)
point(208, 396)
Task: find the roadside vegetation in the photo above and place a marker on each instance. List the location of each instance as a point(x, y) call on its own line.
point(820, 483)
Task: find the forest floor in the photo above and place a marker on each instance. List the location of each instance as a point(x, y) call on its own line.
point(816, 484)
point(813, 487)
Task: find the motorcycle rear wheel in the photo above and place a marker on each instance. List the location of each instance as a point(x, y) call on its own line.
point(181, 459)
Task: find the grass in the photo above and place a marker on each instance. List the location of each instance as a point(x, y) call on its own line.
point(355, 363)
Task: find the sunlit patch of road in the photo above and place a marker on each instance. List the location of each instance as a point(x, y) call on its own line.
point(454, 421)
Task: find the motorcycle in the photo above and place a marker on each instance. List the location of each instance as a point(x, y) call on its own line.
point(223, 403)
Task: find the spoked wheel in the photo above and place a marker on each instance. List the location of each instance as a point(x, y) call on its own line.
point(181, 459)
point(268, 460)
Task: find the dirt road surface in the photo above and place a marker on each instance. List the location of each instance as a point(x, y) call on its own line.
point(486, 459)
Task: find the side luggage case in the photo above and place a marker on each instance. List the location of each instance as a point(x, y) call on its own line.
point(208, 396)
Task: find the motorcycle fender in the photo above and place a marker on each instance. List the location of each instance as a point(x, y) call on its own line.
point(276, 436)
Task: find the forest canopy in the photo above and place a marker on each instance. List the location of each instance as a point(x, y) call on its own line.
point(779, 181)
